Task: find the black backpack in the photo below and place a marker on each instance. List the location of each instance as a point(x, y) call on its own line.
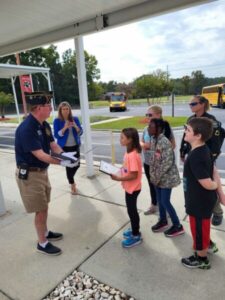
point(216, 141)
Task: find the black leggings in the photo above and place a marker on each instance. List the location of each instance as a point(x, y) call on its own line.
point(151, 186)
point(131, 202)
point(70, 172)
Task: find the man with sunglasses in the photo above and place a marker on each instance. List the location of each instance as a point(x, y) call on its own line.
point(33, 143)
point(199, 106)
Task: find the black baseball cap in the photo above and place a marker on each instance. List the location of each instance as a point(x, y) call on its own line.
point(38, 98)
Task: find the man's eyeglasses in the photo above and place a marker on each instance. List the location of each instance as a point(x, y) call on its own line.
point(148, 115)
point(193, 103)
point(186, 128)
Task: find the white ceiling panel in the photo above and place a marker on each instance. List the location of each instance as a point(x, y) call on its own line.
point(26, 24)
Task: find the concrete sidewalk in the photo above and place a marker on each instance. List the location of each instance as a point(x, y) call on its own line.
point(92, 223)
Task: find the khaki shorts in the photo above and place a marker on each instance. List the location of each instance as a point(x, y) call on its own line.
point(35, 191)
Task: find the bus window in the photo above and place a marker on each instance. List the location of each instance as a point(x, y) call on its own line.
point(215, 94)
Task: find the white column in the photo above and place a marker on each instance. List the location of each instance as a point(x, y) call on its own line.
point(82, 83)
point(2, 203)
point(15, 98)
point(47, 76)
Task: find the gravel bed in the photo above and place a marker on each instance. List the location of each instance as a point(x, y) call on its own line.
point(80, 286)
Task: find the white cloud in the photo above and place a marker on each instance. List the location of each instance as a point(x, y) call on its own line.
point(186, 40)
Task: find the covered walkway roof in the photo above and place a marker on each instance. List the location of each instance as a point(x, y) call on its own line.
point(29, 24)
point(8, 71)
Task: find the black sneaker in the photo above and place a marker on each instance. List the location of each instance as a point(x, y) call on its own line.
point(212, 248)
point(49, 249)
point(159, 226)
point(193, 262)
point(174, 231)
point(217, 220)
point(54, 236)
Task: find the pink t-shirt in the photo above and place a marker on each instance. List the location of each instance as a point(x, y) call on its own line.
point(132, 163)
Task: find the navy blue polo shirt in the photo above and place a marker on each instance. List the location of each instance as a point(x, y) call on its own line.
point(31, 136)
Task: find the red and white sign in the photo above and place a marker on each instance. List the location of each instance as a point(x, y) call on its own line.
point(26, 83)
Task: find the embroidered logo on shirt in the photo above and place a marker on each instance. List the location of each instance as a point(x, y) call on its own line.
point(47, 131)
point(39, 132)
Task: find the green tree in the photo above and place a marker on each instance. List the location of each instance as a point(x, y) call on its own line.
point(63, 73)
point(95, 91)
point(126, 88)
point(5, 99)
point(186, 81)
point(153, 85)
point(70, 79)
point(197, 81)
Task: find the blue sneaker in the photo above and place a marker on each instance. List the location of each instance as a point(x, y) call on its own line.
point(132, 241)
point(127, 233)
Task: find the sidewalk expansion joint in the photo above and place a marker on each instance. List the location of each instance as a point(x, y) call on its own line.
point(105, 201)
point(100, 246)
point(6, 295)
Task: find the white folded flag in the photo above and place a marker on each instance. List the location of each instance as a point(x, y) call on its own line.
point(70, 155)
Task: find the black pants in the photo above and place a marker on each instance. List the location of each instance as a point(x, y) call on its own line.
point(151, 186)
point(70, 172)
point(131, 202)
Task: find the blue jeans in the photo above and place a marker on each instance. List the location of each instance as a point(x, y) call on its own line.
point(163, 199)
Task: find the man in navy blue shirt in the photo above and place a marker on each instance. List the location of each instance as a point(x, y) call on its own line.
point(33, 143)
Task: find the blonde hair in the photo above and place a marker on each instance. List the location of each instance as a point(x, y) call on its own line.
point(203, 100)
point(156, 109)
point(61, 105)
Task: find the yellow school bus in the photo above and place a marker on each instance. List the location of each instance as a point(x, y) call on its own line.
point(215, 94)
point(118, 101)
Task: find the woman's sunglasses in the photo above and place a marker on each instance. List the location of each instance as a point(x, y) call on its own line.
point(148, 115)
point(193, 103)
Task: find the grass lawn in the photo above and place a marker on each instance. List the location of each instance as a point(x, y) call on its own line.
point(137, 122)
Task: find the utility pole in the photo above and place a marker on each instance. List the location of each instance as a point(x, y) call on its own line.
point(21, 87)
point(172, 104)
point(167, 81)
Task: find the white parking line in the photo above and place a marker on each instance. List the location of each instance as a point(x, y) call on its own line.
point(8, 146)
point(101, 144)
point(7, 137)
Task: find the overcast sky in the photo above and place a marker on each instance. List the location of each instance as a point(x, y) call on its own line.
point(183, 41)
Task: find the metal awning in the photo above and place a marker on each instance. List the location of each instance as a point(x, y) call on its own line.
point(9, 71)
point(29, 24)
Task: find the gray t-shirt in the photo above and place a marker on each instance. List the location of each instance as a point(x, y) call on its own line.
point(70, 140)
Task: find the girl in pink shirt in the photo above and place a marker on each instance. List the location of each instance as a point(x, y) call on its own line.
point(130, 178)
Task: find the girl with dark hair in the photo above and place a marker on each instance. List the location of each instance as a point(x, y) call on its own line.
point(67, 131)
point(164, 175)
point(153, 112)
point(130, 178)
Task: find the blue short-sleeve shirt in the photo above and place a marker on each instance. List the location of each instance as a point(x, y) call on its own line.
point(31, 136)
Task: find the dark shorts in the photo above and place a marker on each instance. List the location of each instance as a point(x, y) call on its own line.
point(200, 230)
